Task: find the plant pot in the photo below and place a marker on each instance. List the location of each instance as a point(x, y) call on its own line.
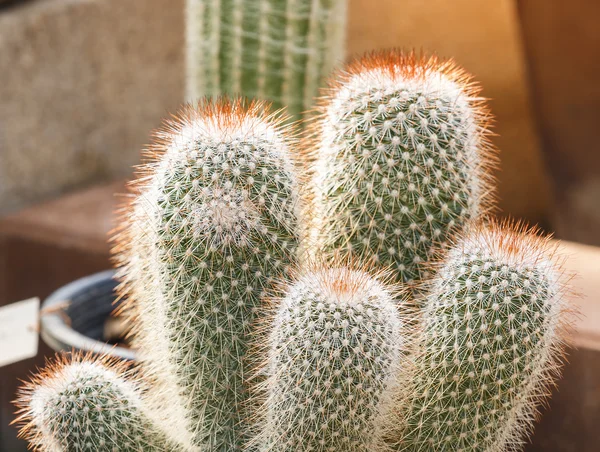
point(76, 316)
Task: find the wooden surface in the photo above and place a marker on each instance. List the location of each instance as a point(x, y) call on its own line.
point(562, 42)
point(79, 220)
point(584, 262)
point(47, 246)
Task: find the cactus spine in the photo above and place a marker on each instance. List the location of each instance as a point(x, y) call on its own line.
point(401, 160)
point(214, 222)
point(79, 404)
point(493, 334)
point(332, 356)
point(277, 50)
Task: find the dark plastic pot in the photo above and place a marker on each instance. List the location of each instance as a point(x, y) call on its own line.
point(74, 317)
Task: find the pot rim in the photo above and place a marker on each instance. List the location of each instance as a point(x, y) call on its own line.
point(59, 336)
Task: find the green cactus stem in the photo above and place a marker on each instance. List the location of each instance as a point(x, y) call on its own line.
point(275, 50)
point(88, 404)
point(335, 347)
point(214, 222)
point(494, 324)
point(401, 161)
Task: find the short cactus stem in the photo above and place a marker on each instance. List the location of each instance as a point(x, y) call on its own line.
point(401, 161)
point(494, 324)
point(335, 347)
point(84, 403)
point(214, 223)
point(275, 50)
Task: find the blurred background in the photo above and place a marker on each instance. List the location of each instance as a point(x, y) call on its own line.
point(83, 82)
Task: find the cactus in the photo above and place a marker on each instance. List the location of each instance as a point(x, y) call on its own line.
point(493, 333)
point(214, 223)
point(333, 352)
point(275, 50)
point(79, 403)
point(401, 162)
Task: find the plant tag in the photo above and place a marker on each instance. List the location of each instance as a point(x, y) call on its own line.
point(19, 336)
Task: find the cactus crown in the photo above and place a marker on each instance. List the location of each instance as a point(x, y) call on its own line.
point(334, 348)
point(401, 160)
point(80, 403)
point(493, 335)
point(213, 224)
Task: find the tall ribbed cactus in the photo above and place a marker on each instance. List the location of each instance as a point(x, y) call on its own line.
point(333, 353)
point(85, 404)
point(400, 161)
point(492, 340)
point(214, 223)
point(276, 50)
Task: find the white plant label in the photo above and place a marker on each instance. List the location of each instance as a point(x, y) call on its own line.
point(19, 336)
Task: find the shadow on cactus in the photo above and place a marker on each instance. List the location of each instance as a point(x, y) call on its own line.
point(401, 160)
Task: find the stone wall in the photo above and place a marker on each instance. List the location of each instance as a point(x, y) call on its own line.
point(82, 83)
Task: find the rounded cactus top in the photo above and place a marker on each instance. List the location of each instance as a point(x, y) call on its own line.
point(334, 348)
point(86, 403)
point(222, 162)
point(493, 339)
point(401, 160)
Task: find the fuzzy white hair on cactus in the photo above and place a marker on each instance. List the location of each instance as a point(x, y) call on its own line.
point(214, 222)
point(494, 325)
point(334, 347)
point(401, 161)
point(86, 403)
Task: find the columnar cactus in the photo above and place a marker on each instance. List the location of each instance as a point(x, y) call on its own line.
point(401, 171)
point(401, 160)
point(213, 224)
point(85, 404)
point(277, 50)
point(333, 353)
point(492, 339)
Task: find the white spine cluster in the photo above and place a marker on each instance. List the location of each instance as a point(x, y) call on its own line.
point(400, 162)
point(491, 345)
point(334, 352)
point(88, 405)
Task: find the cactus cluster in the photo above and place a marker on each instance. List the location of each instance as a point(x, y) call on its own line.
point(422, 326)
point(275, 50)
